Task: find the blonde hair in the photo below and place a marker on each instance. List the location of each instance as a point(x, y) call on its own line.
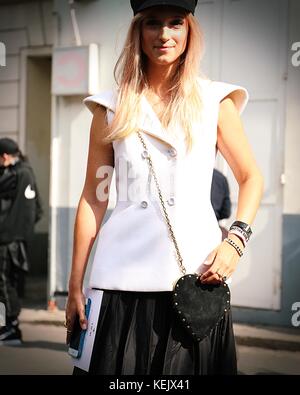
point(185, 103)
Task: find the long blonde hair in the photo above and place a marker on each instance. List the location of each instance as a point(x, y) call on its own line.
point(185, 104)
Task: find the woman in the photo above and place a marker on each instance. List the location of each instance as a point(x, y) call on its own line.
point(183, 119)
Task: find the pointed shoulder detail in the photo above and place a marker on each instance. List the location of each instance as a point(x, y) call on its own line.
point(106, 98)
point(238, 94)
point(204, 84)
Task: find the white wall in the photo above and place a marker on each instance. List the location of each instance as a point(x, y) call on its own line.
point(103, 22)
point(292, 131)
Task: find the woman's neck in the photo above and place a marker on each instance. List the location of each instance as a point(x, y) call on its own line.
point(159, 78)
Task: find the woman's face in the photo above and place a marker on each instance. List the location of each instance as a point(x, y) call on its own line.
point(164, 34)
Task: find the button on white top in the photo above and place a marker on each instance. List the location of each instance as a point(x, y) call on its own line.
point(171, 201)
point(145, 154)
point(172, 152)
point(144, 204)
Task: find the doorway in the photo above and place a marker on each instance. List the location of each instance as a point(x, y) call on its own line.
point(36, 145)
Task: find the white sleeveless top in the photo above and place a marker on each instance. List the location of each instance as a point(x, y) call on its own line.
point(134, 251)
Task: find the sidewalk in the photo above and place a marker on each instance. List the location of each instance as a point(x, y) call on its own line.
point(275, 338)
point(42, 317)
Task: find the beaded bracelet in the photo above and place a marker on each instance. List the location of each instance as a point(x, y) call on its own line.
point(234, 245)
point(240, 235)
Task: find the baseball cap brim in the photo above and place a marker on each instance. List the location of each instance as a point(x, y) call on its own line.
point(184, 4)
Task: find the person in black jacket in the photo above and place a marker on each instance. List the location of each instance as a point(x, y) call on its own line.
point(220, 198)
point(20, 209)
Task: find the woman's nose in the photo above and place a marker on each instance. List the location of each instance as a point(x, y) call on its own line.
point(164, 33)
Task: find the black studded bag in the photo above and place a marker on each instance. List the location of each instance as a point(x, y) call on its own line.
point(199, 307)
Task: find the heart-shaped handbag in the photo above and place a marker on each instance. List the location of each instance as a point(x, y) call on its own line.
point(200, 307)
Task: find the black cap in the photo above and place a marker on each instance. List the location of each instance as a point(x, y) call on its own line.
point(139, 5)
point(8, 146)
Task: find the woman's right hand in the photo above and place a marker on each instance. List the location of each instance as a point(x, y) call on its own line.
point(75, 305)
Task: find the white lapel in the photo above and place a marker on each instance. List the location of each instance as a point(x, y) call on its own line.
point(150, 124)
point(148, 121)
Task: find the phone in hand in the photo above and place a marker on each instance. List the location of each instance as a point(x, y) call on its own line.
point(78, 334)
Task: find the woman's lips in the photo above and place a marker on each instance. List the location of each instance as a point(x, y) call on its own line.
point(164, 49)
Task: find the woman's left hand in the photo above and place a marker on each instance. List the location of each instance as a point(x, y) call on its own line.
point(222, 262)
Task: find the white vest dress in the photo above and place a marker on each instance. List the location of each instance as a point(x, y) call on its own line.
point(134, 250)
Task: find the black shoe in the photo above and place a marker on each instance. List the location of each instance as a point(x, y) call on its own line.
point(10, 336)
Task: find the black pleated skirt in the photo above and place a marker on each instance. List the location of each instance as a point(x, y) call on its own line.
point(138, 333)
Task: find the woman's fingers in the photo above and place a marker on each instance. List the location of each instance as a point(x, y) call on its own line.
point(215, 273)
point(226, 274)
point(75, 309)
point(69, 325)
point(215, 269)
point(68, 336)
point(224, 263)
point(210, 258)
point(81, 312)
point(207, 262)
point(82, 319)
point(69, 322)
point(212, 279)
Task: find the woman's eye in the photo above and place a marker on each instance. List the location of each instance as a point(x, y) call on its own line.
point(151, 22)
point(177, 22)
point(155, 22)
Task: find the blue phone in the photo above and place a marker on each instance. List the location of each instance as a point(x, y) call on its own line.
point(78, 334)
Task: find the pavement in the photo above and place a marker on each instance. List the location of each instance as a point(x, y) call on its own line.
point(269, 337)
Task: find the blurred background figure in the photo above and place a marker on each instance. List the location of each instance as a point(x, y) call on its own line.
point(20, 209)
point(220, 198)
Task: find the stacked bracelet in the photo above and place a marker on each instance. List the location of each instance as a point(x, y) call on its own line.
point(242, 229)
point(234, 245)
point(239, 234)
point(243, 225)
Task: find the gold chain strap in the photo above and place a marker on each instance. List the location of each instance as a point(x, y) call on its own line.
point(148, 157)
